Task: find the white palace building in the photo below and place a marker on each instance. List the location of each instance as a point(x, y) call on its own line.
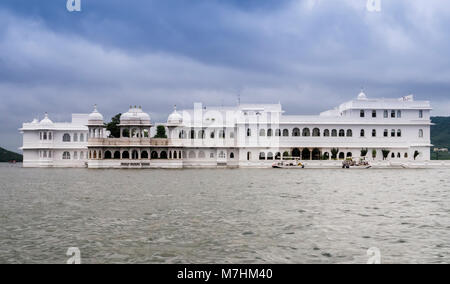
point(393, 131)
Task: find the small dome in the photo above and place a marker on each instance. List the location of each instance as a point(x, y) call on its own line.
point(135, 115)
point(362, 96)
point(95, 116)
point(46, 120)
point(175, 117)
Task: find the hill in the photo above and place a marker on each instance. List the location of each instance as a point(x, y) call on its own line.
point(6, 156)
point(440, 136)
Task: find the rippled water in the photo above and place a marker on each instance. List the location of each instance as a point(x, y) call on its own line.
point(224, 216)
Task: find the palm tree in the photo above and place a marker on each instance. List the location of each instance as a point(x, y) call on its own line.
point(364, 152)
point(334, 153)
point(385, 153)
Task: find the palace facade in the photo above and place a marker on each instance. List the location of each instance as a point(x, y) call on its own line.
point(248, 135)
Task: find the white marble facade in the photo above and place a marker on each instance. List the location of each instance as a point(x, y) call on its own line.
point(248, 135)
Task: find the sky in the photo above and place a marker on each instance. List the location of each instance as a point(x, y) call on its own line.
point(310, 55)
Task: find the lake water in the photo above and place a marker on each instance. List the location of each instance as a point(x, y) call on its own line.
point(224, 216)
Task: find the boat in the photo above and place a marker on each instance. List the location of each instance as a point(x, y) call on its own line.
point(352, 164)
point(288, 165)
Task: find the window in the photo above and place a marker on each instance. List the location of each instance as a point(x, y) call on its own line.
point(50, 136)
point(211, 155)
point(262, 132)
point(212, 134)
point(285, 132)
point(326, 133)
point(222, 134)
point(45, 154)
point(262, 156)
point(399, 133)
point(231, 155)
point(406, 155)
point(393, 114)
point(349, 133)
point(334, 133)
point(201, 134)
point(81, 137)
point(249, 132)
point(386, 114)
point(182, 134)
point(393, 155)
point(75, 155)
point(66, 138)
point(296, 132)
point(222, 155)
point(306, 132)
point(191, 155)
point(277, 132)
point(363, 133)
point(374, 133)
point(399, 114)
point(75, 137)
point(45, 135)
point(362, 113)
point(40, 135)
point(420, 113)
point(192, 134)
point(393, 133)
point(249, 156)
point(421, 133)
point(316, 132)
point(341, 133)
point(374, 113)
point(269, 132)
point(66, 156)
point(270, 156)
point(386, 133)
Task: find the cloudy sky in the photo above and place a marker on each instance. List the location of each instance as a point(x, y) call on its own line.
point(308, 54)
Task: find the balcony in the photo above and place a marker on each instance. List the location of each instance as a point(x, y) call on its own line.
point(134, 142)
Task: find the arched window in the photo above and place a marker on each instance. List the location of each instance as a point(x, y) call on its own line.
point(349, 133)
point(108, 155)
point(374, 133)
point(286, 154)
point(363, 133)
point(182, 134)
point(201, 134)
point(295, 153)
point(399, 155)
point(342, 133)
point(349, 155)
point(192, 134)
point(75, 137)
point(306, 154)
point(406, 155)
point(144, 155)
point(154, 155)
point(163, 155)
point(269, 132)
point(278, 156)
point(94, 156)
point(175, 155)
point(393, 133)
point(399, 133)
point(201, 155)
point(334, 133)
point(420, 133)
point(125, 155)
point(296, 132)
point(341, 155)
point(386, 133)
point(134, 155)
point(222, 134)
point(262, 132)
point(249, 156)
point(316, 132)
point(66, 137)
point(306, 132)
point(212, 135)
point(393, 155)
point(45, 135)
point(66, 156)
point(249, 132)
point(231, 155)
point(262, 156)
point(191, 155)
point(278, 132)
point(116, 155)
point(285, 132)
point(170, 154)
point(270, 156)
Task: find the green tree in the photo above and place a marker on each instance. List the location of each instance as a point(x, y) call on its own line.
point(113, 126)
point(334, 153)
point(385, 153)
point(160, 132)
point(374, 154)
point(364, 152)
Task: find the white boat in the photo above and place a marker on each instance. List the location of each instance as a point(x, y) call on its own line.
point(288, 165)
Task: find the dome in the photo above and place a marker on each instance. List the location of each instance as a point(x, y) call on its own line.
point(95, 116)
point(135, 115)
point(46, 120)
point(175, 117)
point(362, 96)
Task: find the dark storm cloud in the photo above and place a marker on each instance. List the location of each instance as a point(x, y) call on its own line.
point(310, 55)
